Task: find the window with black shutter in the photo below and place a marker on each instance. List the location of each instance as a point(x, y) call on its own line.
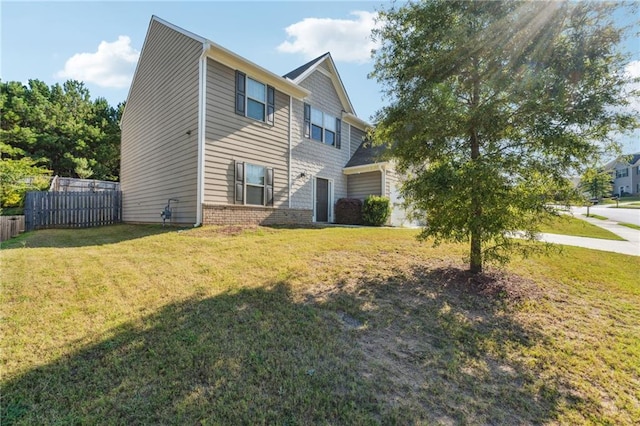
point(253, 184)
point(255, 99)
point(241, 90)
point(321, 126)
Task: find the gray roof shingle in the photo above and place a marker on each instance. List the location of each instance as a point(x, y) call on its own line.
point(292, 75)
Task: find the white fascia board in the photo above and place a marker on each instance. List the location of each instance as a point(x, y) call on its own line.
point(342, 93)
point(234, 61)
point(355, 121)
point(365, 168)
point(335, 78)
point(182, 31)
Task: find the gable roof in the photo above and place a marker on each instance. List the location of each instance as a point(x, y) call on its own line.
point(632, 160)
point(302, 72)
point(233, 60)
point(292, 75)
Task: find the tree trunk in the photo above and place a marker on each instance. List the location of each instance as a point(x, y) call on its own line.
point(475, 224)
point(475, 265)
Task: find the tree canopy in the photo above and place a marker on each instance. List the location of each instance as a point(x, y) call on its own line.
point(60, 128)
point(597, 182)
point(491, 105)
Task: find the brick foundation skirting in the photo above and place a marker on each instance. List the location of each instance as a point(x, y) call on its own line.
point(253, 215)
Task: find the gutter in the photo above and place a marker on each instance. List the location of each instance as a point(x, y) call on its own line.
point(289, 164)
point(374, 167)
point(202, 114)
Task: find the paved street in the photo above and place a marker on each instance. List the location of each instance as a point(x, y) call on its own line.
point(618, 215)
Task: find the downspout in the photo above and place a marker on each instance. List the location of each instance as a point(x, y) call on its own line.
point(290, 141)
point(383, 181)
point(202, 114)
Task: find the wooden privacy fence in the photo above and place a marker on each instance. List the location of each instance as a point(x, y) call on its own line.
point(10, 226)
point(72, 209)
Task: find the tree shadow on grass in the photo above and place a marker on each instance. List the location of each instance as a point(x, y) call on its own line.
point(399, 350)
point(84, 237)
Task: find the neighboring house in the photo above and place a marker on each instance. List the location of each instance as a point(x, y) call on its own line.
point(234, 143)
point(626, 174)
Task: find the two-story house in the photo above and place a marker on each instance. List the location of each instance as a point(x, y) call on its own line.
point(230, 142)
point(625, 172)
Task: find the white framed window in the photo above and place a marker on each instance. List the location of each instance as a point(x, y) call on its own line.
point(254, 99)
point(321, 126)
point(620, 173)
point(253, 184)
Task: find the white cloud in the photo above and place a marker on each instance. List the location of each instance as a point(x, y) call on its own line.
point(112, 65)
point(347, 40)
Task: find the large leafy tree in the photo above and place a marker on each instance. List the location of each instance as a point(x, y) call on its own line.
point(491, 104)
point(61, 128)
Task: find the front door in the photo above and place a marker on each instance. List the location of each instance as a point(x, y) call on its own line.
point(322, 200)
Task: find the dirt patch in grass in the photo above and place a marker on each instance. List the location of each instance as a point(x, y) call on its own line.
point(433, 341)
point(494, 284)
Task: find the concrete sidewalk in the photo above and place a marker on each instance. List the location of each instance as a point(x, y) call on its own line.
point(630, 247)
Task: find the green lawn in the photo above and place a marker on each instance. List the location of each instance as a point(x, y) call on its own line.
point(569, 225)
point(621, 200)
point(596, 216)
point(145, 325)
point(630, 225)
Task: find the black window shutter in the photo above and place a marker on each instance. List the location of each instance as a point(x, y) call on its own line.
point(271, 105)
point(338, 132)
point(240, 92)
point(307, 120)
point(268, 187)
point(239, 182)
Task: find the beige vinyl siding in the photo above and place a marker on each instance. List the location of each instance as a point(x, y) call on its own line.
point(159, 157)
point(356, 138)
point(314, 158)
point(231, 137)
point(364, 184)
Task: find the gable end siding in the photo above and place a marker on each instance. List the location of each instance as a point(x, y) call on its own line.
point(231, 137)
point(159, 158)
point(357, 136)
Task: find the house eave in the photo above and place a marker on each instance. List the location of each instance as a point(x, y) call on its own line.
point(366, 168)
point(234, 61)
point(355, 121)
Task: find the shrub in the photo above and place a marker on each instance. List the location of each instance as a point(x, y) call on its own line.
point(349, 211)
point(19, 176)
point(376, 210)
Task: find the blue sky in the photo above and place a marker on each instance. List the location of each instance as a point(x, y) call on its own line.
point(98, 42)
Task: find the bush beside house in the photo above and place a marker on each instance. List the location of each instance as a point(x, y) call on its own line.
point(349, 211)
point(376, 210)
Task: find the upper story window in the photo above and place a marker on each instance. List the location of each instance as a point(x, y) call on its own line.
point(321, 126)
point(622, 173)
point(254, 99)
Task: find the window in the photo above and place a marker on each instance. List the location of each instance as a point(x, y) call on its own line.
point(321, 126)
point(254, 99)
point(622, 173)
point(254, 184)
